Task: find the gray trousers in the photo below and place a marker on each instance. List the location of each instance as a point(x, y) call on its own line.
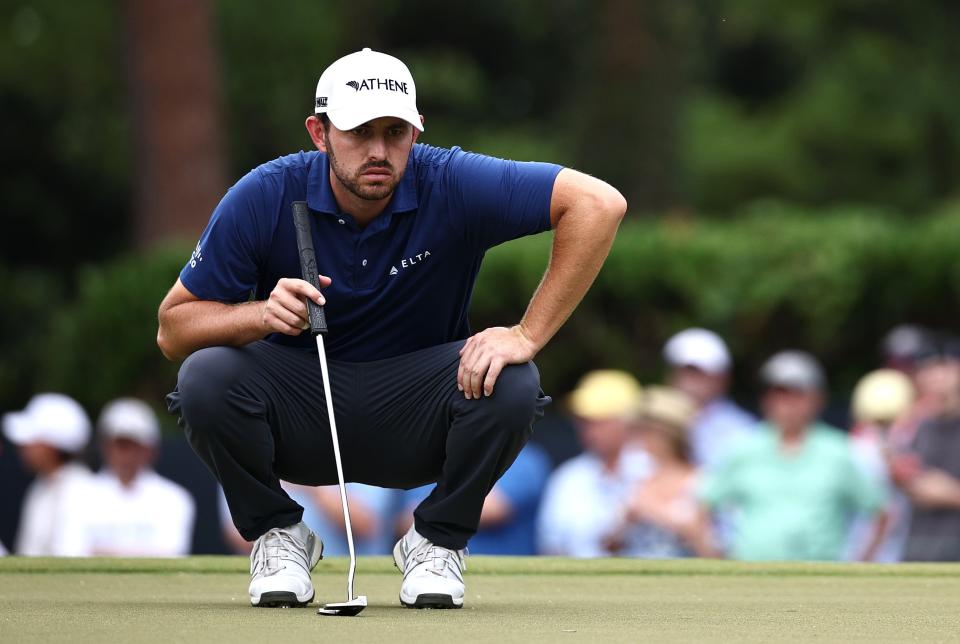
point(257, 414)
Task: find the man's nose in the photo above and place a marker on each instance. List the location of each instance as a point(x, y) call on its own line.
point(378, 148)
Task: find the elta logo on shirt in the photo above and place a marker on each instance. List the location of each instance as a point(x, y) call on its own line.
point(410, 261)
point(379, 83)
point(196, 256)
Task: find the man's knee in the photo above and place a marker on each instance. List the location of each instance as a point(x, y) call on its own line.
point(516, 396)
point(203, 382)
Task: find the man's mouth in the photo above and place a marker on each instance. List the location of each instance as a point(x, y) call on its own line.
point(376, 173)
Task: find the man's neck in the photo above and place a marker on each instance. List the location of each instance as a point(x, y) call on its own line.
point(611, 462)
point(126, 481)
point(363, 211)
point(791, 439)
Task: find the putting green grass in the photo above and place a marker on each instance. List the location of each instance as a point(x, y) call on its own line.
point(203, 599)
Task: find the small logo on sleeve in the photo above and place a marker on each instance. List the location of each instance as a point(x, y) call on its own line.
point(196, 256)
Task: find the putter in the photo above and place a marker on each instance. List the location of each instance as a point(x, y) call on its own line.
point(318, 326)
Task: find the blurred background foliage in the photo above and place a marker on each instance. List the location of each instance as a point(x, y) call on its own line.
point(791, 168)
point(831, 281)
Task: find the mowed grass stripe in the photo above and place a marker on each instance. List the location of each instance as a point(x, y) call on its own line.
point(481, 565)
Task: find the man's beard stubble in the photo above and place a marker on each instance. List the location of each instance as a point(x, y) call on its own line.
point(352, 184)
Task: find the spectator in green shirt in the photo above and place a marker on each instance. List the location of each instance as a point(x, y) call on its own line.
point(793, 486)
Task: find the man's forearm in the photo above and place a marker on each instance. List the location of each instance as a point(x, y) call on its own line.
point(934, 488)
point(190, 326)
point(582, 240)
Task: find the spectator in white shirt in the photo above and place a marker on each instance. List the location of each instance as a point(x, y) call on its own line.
point(135, 512)
point(583, 502)
point(49, 433)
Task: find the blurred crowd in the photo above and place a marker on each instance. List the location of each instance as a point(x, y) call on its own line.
point(672, 469)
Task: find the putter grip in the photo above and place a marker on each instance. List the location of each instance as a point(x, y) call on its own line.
point(308, 264)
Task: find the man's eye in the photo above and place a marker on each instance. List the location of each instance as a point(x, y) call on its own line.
point(360, 131)
point(396, 132)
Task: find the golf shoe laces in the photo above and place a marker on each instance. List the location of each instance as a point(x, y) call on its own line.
point(276, 547)
point(441, 561)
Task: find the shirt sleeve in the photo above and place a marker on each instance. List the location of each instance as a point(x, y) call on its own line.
point(862, 492)
point(225, 264)
point(176, 534)
point(574, 519)
point(72, 536)
point(496, 200)
point(719, 485)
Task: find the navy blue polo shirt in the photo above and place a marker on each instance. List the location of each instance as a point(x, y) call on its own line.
point(401, 284)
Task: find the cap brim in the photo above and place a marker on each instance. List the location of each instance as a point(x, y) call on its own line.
point(793, 385)
point(140, 437)
point(17, 428)
point(713, 368)
point(347, 118)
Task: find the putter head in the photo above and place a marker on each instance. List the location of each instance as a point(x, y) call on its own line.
point(344, 609)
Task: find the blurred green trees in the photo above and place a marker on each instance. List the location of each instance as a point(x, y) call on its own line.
point(701, 110)
point(830, 282)
point(826, 101)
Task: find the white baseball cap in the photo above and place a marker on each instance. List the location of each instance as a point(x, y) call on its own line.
point(364, 86)
point(698, 348)
point(54, 419)
point(797, 370)
point(129, 418)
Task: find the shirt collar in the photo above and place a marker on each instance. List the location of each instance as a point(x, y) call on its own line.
point(320, 195)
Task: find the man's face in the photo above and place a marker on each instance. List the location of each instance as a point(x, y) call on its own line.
point(41, 458)
point(605, 438)
point(126, 457)
point(791, 410)
point(937, 379)
point(698, 384)
point(370, 160)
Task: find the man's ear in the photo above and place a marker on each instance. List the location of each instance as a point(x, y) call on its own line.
point(317, 134)
point(416, 132)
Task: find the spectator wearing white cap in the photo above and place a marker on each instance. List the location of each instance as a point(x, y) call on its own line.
point(583, 500)
point(49, 433)
point(700, 367)
point(794, 485)
point(133, 511)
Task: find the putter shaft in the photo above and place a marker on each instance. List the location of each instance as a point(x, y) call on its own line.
point(336, 455)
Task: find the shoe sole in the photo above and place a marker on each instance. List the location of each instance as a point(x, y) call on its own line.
point(281, 599)
point(432, 600)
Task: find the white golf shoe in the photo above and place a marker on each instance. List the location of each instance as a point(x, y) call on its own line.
point(280, 565)
point(432, 575)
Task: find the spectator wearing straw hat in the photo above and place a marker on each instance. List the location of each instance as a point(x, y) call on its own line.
point(582, 502)
point(49, 434)
point(133, 511)
point(881, 400)
point(662, 518)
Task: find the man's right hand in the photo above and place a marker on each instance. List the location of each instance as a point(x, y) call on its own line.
point(285, 311)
